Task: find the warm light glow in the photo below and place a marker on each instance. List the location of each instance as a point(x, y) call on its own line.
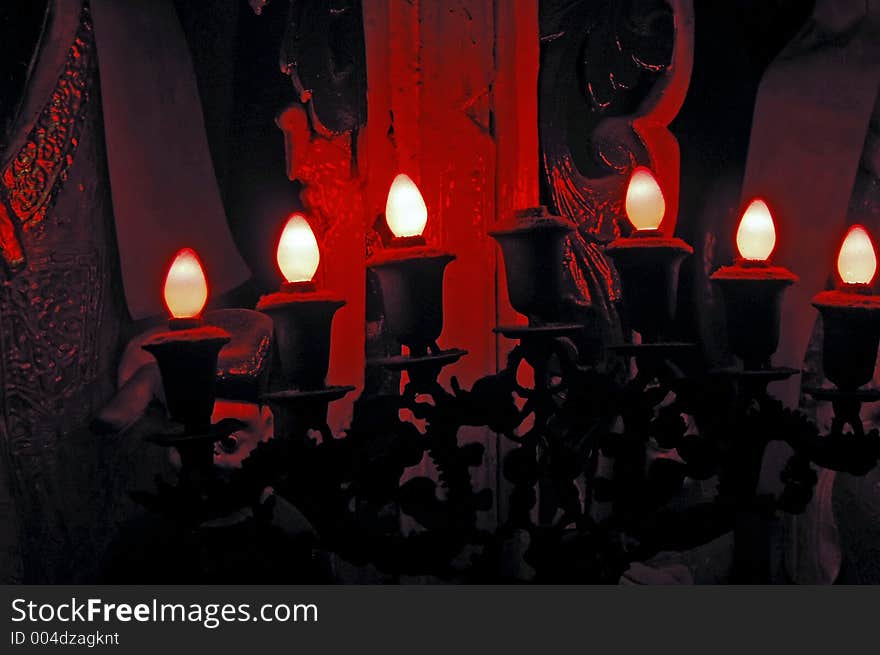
point(186, 288)
point(645, 205)
point(756, 236)
point(405, 209)
point(298, 253)
point(857, 261)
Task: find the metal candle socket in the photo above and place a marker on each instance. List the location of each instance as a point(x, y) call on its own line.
point(411, 280)
point(188, 364)
point(302, 333)
point(851, 334)
point(648, 267)
point(534, 263)
point(753, 305)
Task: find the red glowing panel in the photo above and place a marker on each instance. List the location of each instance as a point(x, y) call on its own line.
point(405, 208)
point(186, 287)
point(857, 261)
point(298, 254)
point(756, 235)
point(645, 205)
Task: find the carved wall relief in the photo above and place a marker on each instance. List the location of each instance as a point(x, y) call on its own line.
point(613, 75)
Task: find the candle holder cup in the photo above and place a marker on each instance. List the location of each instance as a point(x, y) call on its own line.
point(303, 319)
point(649, 264)
point(188, 364)
point(411, 281)
point(752, 293)
point(851, 335)
point(534, 263)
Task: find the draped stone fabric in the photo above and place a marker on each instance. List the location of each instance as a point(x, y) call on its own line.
point(165, 194)
point(811, 139)
point(810, 121)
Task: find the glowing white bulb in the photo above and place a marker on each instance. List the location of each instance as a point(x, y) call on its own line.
point(857, 261)
point(405, 209)
point(298, 255)
point(186, 287)
point(645, 205)
point(756, 235)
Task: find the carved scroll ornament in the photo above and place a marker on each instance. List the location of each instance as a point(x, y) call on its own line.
point(613, 76)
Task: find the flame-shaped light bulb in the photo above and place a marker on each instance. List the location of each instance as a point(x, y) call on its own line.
point(645, 205)
point(186, 287)
point(756, 235)
point(298, 254)
point(857, 261)
point(405, 209)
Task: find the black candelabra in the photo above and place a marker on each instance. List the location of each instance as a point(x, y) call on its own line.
point(584, 494)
